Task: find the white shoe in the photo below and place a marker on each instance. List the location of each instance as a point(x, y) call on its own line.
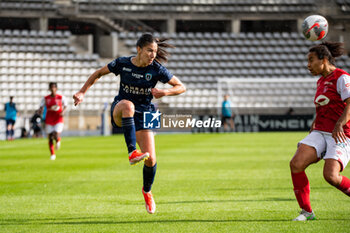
point(53, 157)
point(305, 216)
point(58, 145)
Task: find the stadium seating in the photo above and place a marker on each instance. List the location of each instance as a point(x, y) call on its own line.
point(29, 60)
point(201, 59)
point(344, 5)
point(28, 5)
point(252, 62)
point(196, 6)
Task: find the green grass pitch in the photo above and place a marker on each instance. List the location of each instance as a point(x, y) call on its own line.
point(205, 183)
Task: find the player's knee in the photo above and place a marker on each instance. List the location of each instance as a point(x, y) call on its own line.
point(127, 107)
point(296, 165)
point(151, 161)
point(332, 178)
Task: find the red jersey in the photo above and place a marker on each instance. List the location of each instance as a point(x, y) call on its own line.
point(54, 107)
point(329, 100)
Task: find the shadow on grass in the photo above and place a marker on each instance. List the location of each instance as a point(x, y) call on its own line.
point(84, 221)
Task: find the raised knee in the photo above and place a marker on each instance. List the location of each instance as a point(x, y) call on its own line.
point(127, 106)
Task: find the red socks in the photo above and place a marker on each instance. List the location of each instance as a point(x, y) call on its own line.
point(302, 190)
point(52, 150)
point(345, 185)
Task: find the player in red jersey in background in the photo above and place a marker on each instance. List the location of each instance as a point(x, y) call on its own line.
point(55, 105)
point(330, 131)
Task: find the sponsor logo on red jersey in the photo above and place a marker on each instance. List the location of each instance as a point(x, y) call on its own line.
point(54, 106)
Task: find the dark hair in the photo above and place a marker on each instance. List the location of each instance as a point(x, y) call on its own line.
point(52, 84)
point(162, 54)
point(329, 50)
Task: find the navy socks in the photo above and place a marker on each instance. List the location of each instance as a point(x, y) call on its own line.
point(128, 126)
point(148, 177)
point(149, 173)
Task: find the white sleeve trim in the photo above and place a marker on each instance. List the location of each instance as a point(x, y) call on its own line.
point(343, 86)
point(64, 101)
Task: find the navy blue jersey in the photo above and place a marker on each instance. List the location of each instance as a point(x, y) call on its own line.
point(136, 82)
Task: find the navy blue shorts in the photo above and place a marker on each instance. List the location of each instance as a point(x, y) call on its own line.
point(10, 122)
point(138, 116)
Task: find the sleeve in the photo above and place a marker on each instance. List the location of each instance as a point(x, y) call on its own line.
point(343, 86)
point(64, 102)
point(14, 106)
point(165, 74)
point(42, 103)
point(113, 66)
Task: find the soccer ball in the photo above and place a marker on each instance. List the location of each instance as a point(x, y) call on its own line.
point(315, 27)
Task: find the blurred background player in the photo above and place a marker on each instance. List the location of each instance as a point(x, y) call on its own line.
point(138, 77)
point(330, 131)
point(11, 116)
point(36, 124)
point(55, 107)
point(227, 116)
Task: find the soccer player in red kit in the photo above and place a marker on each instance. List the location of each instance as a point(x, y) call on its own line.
point(55, 105)
point(329, 135)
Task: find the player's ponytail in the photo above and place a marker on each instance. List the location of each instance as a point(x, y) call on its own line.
point(162, 54)
point(329, 50)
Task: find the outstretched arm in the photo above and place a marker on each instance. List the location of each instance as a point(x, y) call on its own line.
point(177, 89)
point(78, 97)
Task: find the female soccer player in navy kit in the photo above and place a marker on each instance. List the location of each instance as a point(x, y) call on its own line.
point(138, 77)
point(330, 131)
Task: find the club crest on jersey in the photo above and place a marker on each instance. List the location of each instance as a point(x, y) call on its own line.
point(113, 63)
point(148, 76)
